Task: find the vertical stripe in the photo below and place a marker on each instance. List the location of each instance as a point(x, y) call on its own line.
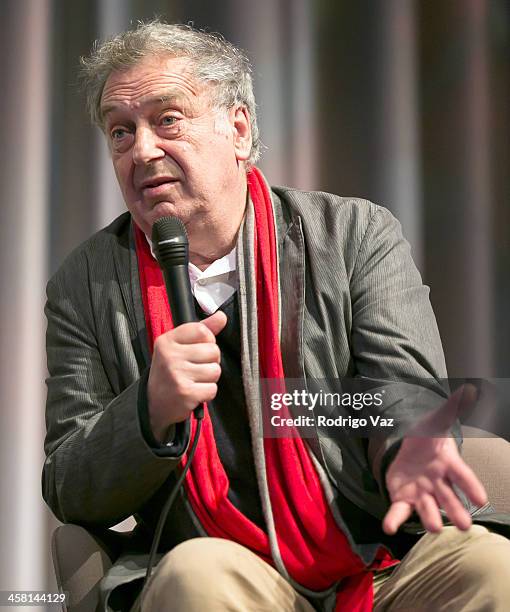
point(23, 253)
point(397, 167)
point(113, 18)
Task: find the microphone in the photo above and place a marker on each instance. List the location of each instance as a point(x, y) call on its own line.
point(170, 244)
point(171, 247)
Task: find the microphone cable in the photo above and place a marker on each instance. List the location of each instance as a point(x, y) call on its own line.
point(170, 242)
point(169, 502)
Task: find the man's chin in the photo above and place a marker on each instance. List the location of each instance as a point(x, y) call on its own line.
point(165, 208)
point(170, 209)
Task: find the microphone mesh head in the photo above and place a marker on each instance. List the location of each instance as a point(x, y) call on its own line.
point(170, 242)
point(167, 228)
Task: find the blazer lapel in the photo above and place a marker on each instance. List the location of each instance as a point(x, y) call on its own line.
point(126, 267)
point(292, 260)
point(292, 284)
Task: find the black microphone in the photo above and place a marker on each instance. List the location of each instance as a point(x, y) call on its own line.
point(171, 247)
point(170, 244)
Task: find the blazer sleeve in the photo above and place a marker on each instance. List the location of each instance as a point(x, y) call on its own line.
point(99, 468)
point(394, 335)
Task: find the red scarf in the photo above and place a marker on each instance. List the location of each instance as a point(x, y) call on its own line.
point(313, 548)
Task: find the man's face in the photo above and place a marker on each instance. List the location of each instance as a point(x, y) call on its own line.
point(173, 152)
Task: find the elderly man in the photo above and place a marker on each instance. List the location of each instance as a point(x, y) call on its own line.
point(286, 283)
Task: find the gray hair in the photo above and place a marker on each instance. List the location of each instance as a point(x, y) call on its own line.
point(214, 60)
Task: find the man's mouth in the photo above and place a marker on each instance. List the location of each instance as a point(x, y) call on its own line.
point(156, 186)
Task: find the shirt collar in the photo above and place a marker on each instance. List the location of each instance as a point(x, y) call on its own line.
point(214, 285)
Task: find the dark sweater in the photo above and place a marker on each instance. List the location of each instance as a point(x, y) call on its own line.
point(229, 420)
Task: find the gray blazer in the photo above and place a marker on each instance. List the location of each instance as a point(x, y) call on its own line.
point(352, 304)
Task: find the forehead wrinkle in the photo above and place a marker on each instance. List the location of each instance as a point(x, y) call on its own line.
point(164, 97)
point(131, 83)
point(123, 100)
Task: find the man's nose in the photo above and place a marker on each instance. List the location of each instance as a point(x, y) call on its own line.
point(146, 147)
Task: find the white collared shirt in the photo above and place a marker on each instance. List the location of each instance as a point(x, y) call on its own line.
point(213, 286)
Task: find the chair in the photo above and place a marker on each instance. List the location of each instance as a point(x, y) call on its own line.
point(82, 558)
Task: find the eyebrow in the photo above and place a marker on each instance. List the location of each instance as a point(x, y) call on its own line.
point(163, 98)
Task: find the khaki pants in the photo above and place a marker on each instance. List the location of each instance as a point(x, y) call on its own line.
point(450, 571)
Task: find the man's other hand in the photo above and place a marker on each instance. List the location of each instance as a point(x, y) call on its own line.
point(184, 371)
point(420, 477)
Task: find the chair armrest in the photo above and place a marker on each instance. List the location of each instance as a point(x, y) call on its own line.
point(489, 457)
point(81, 559)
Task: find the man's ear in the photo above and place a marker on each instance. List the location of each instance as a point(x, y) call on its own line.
point(242, 133)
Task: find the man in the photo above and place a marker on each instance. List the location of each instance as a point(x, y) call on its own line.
point(287, 283)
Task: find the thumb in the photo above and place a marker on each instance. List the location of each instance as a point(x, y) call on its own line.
point(440, 420)
point(216, 322)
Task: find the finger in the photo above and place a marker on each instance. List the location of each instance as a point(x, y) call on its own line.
point(398, 513)
point(189, 333)
point(204, 372)
point(451, 504)
point(200, 353)
point(463, 476)
point(426, 507)
point(216, 322)
point(469, 397)
point(204, 392)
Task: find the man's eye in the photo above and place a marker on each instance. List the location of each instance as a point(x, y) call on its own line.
point(168, 120)
point(118, 133)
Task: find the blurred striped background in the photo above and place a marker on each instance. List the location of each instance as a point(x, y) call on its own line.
point(404, 102)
